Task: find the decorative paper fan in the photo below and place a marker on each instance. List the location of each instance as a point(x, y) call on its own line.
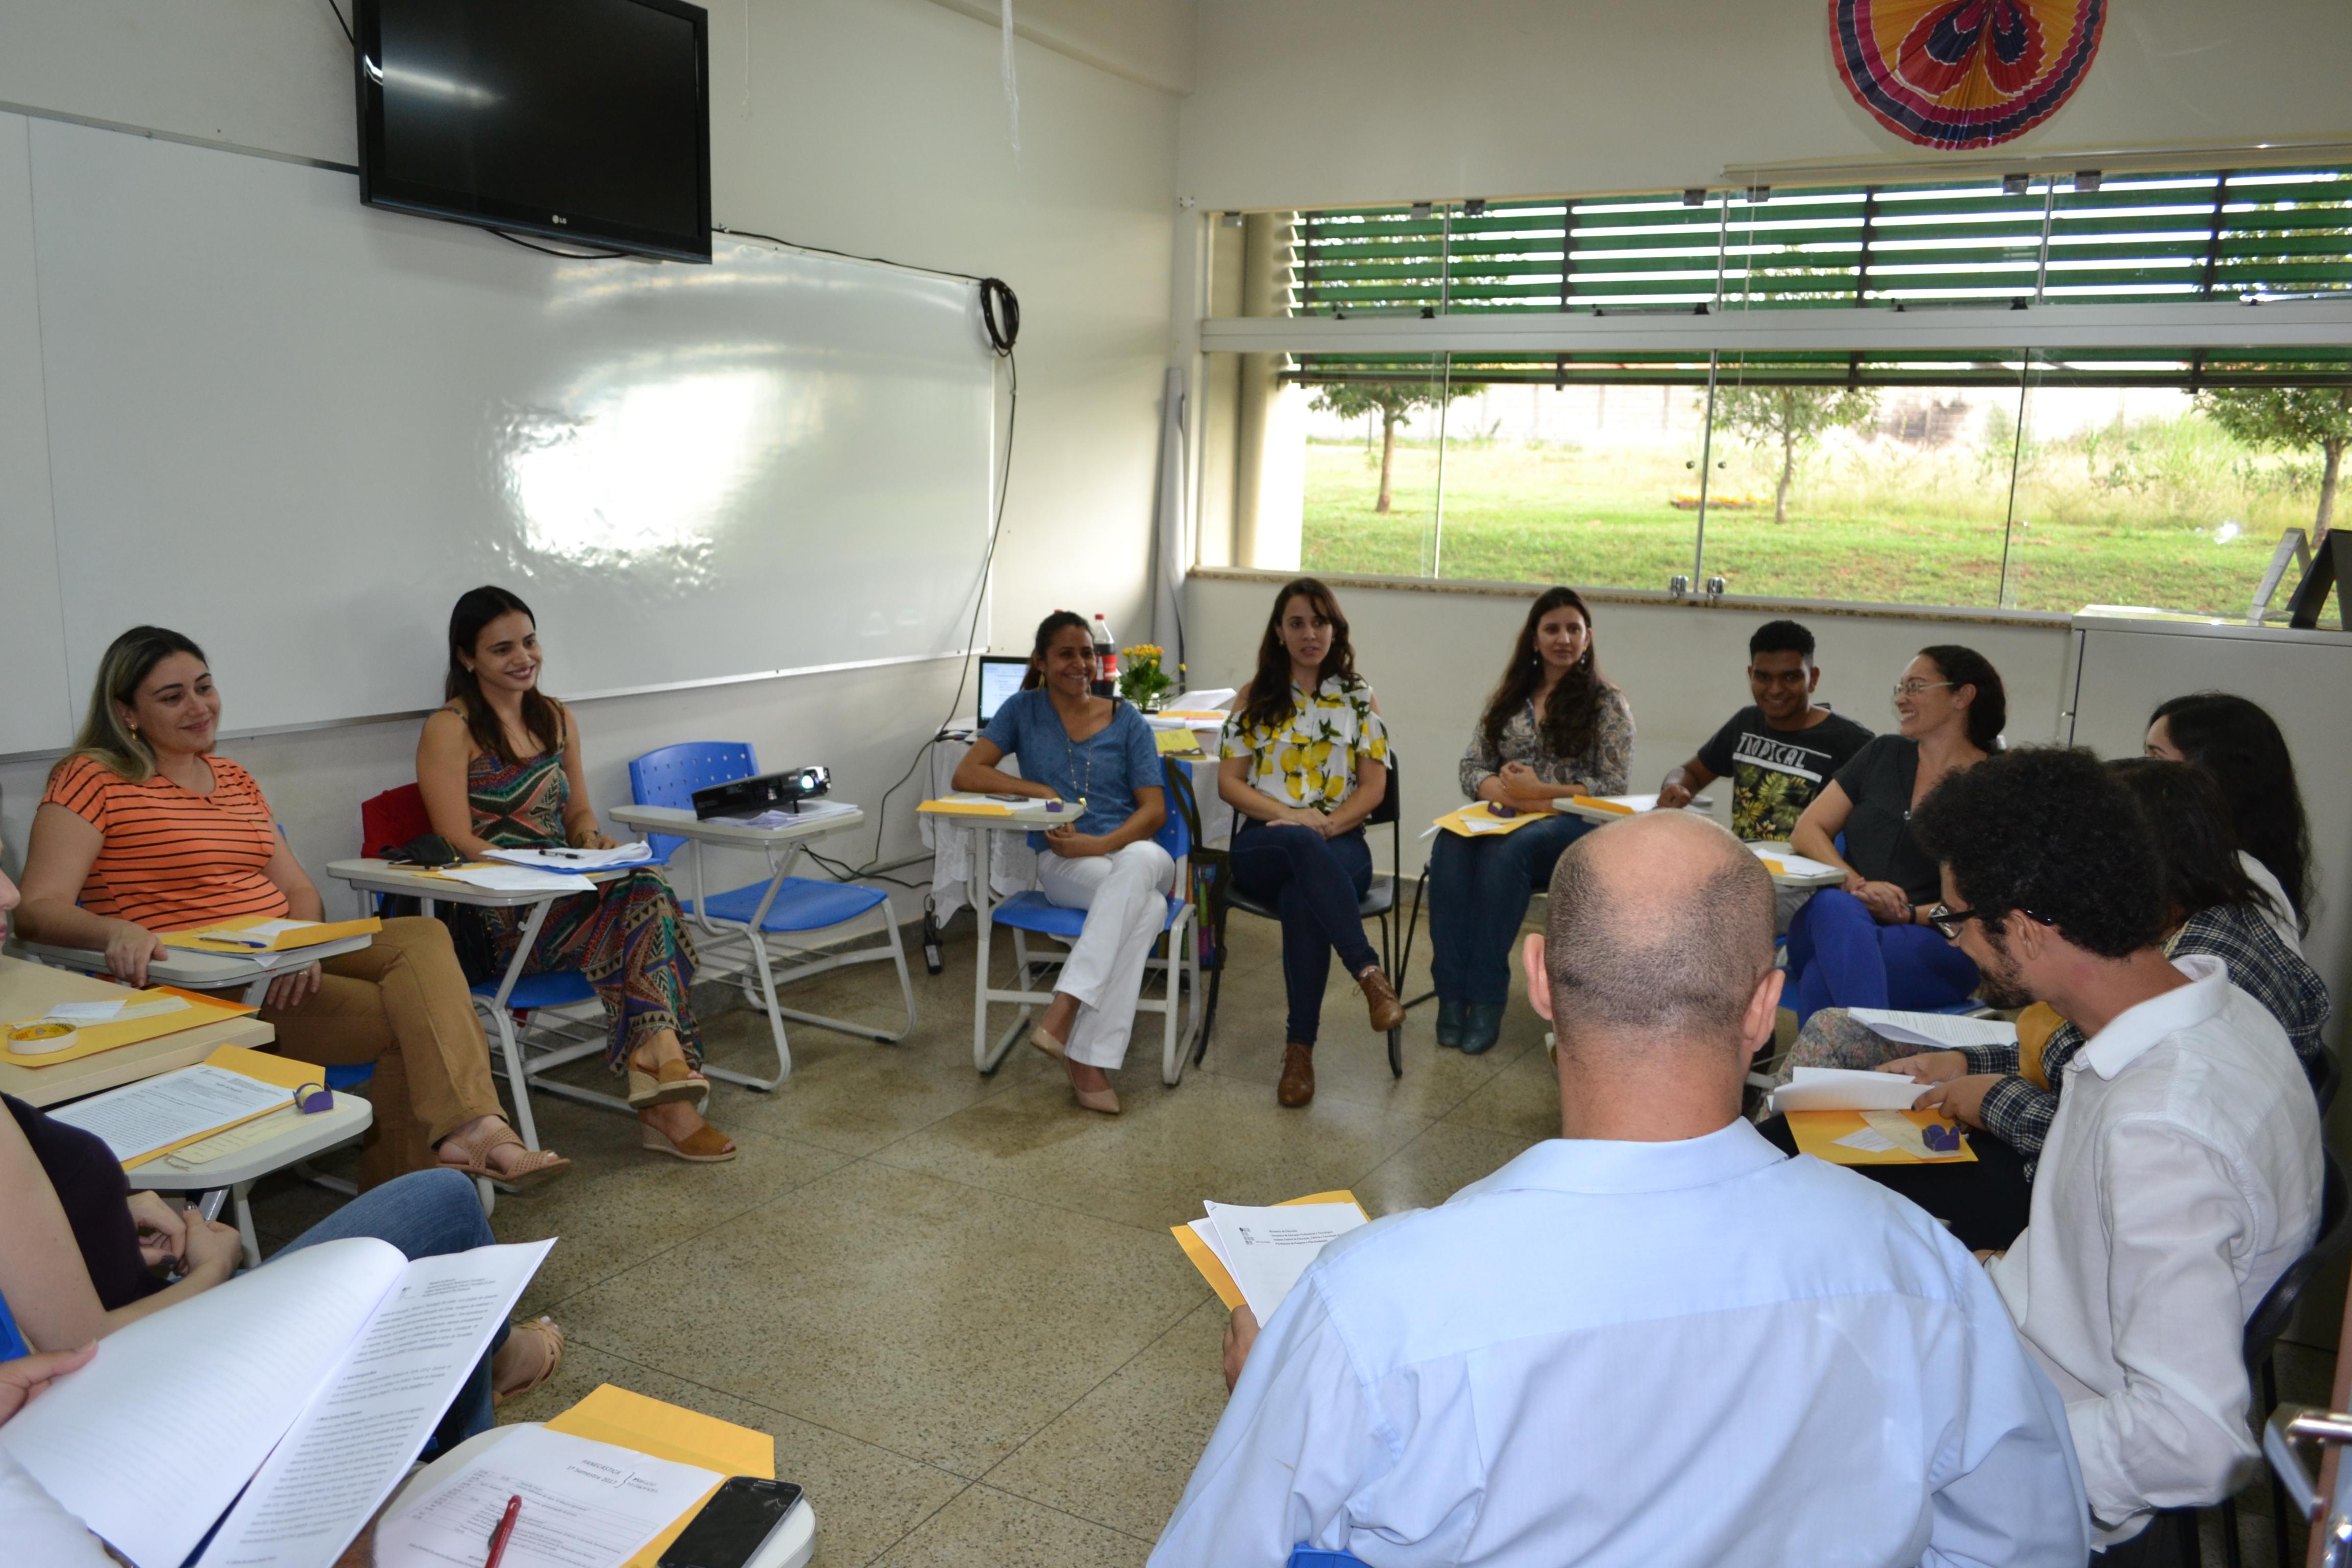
point(1964, 73)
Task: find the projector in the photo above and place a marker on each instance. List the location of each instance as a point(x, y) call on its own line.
point(769, 792)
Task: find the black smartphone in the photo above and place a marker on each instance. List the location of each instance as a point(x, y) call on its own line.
point(734, 1525)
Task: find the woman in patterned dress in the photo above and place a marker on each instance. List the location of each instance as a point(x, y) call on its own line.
point(1303, 760)
point(1555, 726)
point(500, 767)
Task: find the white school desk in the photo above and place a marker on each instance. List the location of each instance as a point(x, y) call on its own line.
point(783, 847)
point(790, 1545)
point(28, 990)
point(292, 1138)
point(191, 971)
point(369, 875)
point(987, 833)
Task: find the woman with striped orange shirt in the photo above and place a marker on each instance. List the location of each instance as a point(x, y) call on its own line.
point(143, 829)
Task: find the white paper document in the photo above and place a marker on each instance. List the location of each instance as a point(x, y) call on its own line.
point(810, 811)
point(151, 1442)
point(1797, 867)
point(520, 880)
point(1846, 1088)
point(1936, 1031)
point(141, 1118)
point(574, 861)
point(1266, 1250)
point(117, 1011)
point(1867, 1140)
point(355, 1442)
point(260, 936)
point(585, 1505)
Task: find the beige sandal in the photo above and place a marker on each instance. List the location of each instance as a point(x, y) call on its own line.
point(534, 1167)
point(545, 1331)
point(667, 1084)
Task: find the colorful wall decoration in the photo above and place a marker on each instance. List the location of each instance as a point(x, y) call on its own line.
point(1964, 73)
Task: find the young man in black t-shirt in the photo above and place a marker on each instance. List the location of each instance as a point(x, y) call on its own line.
point(1778, 751)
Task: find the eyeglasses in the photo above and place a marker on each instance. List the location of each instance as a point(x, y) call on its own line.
point(1915, 688)
point(1949, 920)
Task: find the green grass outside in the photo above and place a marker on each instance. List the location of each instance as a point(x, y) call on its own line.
point(2112, 518)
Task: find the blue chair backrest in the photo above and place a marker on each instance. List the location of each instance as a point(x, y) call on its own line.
point(1303, 1556)
point(12, 1341)
point(670, 776)
point(1173, 835)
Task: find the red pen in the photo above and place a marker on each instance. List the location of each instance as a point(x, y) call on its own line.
point(505, 1529)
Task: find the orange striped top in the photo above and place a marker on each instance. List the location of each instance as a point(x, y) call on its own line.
point(172, 860)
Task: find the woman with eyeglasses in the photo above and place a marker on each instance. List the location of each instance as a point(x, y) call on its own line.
point(1867, 944)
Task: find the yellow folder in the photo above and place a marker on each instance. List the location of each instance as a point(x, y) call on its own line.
point(1817, 1133)
point(286, 1073)
point(1458, 821)
point(91, 1038)
point(307, 935)
point(1618, 806)
point(627, 1420)
point(1215, 1272)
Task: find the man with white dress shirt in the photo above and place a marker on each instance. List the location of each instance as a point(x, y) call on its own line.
point(2181, 1174)
point(1655, 1339)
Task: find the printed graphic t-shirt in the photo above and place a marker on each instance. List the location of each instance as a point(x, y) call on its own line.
point(1775, 774)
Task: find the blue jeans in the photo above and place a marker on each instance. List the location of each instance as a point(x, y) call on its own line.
point(1840, 957)
point(425, 1213)
point(1316, 883)
point(1478, 892)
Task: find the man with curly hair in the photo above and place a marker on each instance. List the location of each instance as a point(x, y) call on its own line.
point(2181, 1174)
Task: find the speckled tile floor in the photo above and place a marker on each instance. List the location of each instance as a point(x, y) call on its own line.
point(952, 1299)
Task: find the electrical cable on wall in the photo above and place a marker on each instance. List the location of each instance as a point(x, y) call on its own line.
point(336, 12)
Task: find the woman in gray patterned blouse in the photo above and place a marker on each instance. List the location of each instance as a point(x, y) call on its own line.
point(1555, 726)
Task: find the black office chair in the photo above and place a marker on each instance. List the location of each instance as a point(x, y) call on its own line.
point(1379, 903)
point(2331, 1078)
point(2263, 1329)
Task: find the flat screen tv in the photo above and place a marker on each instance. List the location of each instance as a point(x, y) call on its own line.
point(586, 121)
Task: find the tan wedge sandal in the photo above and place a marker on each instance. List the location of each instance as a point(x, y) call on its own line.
point(666, 1085)
point(532, 1167)
point(705, 1145)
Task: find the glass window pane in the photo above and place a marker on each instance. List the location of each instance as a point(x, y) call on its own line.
point(1885, 493)
point(2153, 497)
point(1370, 441)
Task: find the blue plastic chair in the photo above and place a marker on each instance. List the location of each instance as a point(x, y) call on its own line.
point(783, 906)
point(1303, 1556)
point(1032, 914)
point(12, 1339)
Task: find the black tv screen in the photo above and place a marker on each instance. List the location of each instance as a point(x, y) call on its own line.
point(579, 120)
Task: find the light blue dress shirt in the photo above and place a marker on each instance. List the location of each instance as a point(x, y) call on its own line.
point(1642, 1354)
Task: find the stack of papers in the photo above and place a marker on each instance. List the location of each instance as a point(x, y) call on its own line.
point(810, 811)
point(1017, 809)
point(574, 860)
point(1936, 1031)
point(583, 1502)
point(1263, 1251)
point(518, 880)
point(142, 1119)
point(1480, 819)
point(1794, 869)
point(263, 935)
point(1846, 1088)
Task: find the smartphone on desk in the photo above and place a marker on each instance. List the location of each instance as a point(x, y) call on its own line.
point(734, 1525)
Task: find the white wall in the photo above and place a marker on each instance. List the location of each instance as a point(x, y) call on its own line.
point(1433, 654)
point(1334, 102)
point(875, 126)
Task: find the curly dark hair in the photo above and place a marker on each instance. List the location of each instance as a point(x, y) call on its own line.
point(2188, 817)
point(1574, 711)
point(2049, 830)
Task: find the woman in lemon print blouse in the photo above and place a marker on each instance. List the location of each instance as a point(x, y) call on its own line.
point(1304, 762)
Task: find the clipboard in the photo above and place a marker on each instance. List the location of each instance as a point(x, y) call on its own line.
point(1215, 1272)
point(627, 1420)
point(310, 934)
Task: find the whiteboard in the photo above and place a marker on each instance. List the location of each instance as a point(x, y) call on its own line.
point(296, 428)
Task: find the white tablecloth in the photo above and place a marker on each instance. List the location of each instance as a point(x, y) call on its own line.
point(1011, 865)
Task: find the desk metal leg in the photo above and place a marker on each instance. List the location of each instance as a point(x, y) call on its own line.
point(981, 841)
point(509, 1047)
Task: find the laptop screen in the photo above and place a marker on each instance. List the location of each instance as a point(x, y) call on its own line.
point(1000, 677)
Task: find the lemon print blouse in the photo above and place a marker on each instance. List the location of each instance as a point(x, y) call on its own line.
point(1310, 760)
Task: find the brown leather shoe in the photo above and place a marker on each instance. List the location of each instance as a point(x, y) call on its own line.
point(1387, 1012)
point(1298, 1084)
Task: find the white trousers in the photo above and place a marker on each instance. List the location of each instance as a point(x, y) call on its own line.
point(1125, 896)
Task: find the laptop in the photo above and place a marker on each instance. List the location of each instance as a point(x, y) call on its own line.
point(1000, 677)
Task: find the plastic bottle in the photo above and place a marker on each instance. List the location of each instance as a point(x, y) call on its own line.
point(1106, 659)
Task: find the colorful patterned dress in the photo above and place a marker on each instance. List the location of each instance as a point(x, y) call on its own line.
point(629, 938)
